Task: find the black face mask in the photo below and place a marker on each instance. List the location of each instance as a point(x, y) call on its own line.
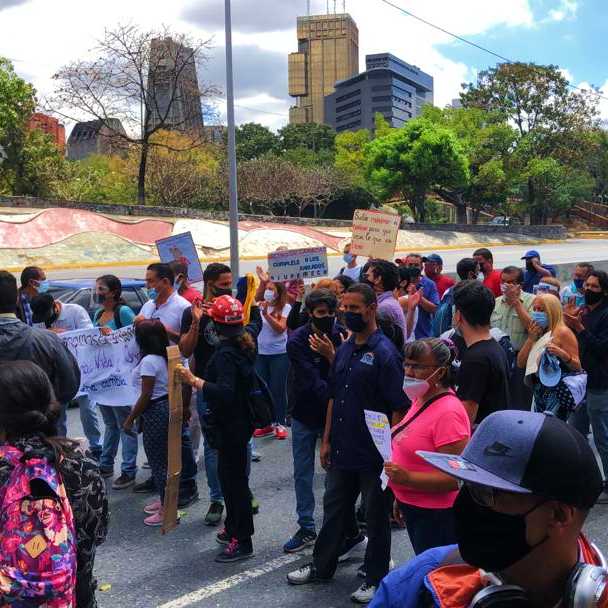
point(221, 291)
point(487, 539)
point(593, 297)
point(354, 321)
point(529, 266)
point(100, 298)
point(324, 324)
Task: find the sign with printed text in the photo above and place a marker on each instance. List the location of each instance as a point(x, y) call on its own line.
point(106, 363)
point(180, 248)
point(298, 264)
point(374, 234)
point(380, 430)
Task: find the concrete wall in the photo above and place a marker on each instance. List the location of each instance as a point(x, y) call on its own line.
point(552, 231)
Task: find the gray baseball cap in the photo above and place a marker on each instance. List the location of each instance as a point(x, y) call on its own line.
point(527, 453)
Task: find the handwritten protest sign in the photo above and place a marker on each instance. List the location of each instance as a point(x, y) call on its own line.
point(106, 363)
point(297, 264)
point(380, 429)
point(374, 234)
point(180, 248)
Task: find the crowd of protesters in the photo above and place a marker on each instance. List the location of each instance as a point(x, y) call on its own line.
point(491, 381)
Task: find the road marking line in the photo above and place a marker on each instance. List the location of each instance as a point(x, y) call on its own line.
point(218, 587)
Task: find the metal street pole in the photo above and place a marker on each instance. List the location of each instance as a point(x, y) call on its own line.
point(234, 203)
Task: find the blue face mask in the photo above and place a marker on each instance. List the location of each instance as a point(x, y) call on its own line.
point(540, 318)
point(348, 257)
point(43, 286)
point(152, 294)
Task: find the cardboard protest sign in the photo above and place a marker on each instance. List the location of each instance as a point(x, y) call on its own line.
point(174, 442)
point(180, 248)
point(380, 429)
point(106, 363)
point(374, 234)
point(298, 264)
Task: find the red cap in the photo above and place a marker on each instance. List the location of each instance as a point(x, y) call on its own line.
point(227, 310)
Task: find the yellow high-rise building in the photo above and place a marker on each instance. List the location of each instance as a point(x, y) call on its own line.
point(328, 51)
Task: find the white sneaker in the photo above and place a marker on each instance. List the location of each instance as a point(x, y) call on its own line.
point(302, 576)
point(352, 546)
point(364, 594)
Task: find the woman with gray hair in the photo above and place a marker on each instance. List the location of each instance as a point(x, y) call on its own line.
point(436, 422)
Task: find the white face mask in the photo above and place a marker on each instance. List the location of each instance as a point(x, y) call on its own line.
point(503, 288)
point(269, 296)
point(481, 277)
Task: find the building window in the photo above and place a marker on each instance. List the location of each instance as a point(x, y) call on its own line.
point(350, 125)
point(383, 109)
point(384, 87)
point(348, 96)
point(353, 104)
point(347, 116)
point(382, 98)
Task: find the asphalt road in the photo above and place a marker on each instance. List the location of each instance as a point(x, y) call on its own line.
point(148, 570)
point(588, 250)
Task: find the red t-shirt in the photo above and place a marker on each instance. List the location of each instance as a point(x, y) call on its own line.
point(492, 282)
point(443, 282)
point(191, 294)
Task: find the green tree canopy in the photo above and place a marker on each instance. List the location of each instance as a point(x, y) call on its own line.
point(413, 159)
point(350, 154)
point(254, 141)
point(312, 136)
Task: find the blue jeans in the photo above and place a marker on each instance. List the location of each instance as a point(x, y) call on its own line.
point(89, 421)
point(304, 441)
point(428, 528)
point(273, 369)
point(114, 418)
point(210, 457)
point(187, 479)
point(597, 410)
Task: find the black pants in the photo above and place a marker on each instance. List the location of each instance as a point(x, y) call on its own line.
point(521, 395)
point(428, 528)
point(341, 491)
point(232, 471)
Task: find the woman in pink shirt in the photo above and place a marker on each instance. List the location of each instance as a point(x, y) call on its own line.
point(437, 422)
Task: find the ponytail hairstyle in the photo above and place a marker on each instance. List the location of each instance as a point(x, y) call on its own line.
point(443, 352)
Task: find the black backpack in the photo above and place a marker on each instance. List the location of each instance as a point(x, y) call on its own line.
point(261, 403)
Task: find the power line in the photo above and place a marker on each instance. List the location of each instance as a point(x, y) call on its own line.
point(261, 111)
point(475, 45)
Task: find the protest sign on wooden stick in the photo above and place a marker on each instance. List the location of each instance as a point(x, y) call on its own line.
point(174, 462)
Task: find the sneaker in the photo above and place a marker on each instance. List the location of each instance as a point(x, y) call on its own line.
point(235, 552)
point(267, 431)
point(300, 540)
point(255, 456)
point(364, 594)
point(153, 507)
point(185, 501)
point(280, 432)
point(124, 481)
point(255, 505)
point(351, 546)
point(304, 575)
point(146, 487)
point(156, 519)
point(214, 514)
point(106, 472)
point(222, 537)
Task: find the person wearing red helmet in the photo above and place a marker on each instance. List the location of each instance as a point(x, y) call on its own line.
point(229, 379)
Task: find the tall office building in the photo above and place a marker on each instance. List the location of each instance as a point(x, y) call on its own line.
point(328, 51)
point(95, 137)
point(173, 87)
point(389, 86)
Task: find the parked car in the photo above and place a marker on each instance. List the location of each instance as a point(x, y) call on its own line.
point(503, 220)
point(81, 291)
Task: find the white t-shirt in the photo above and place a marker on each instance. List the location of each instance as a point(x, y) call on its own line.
point(170, 313)
point(271, 342)
point(156, 367)
point(352, 273)
point(71, 317)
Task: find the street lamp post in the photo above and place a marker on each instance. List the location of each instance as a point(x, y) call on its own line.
point(234, 204)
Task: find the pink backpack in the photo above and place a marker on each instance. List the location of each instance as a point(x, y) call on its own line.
point(38, 540)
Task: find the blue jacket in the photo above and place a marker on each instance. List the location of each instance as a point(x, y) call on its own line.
point(403, 586)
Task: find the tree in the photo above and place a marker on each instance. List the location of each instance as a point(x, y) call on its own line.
point(350, 155)
point(254, 141)
point(411, 160)
point(140, 78)
point(598, 164)
point(312, 136)
point(381, 125)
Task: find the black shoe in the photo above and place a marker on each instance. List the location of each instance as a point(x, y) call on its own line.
point(146, 487)
point(222, 537)
point(235, 551)
point(351, 546)
point(214, 514)
point(186, 501)
point(106, 472)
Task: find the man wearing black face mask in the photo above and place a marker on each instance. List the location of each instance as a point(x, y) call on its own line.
point(529, 481)
point(590, 324)
point(367, 374)
point(311, 350)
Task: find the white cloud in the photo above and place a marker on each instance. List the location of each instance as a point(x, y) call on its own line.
point(566, 10)
point(381, 28)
